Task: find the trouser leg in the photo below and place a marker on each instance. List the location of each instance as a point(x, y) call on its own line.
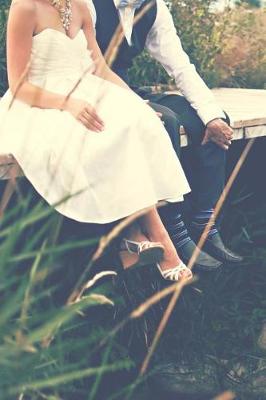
point(171, 214)
point(205, 163)
point(208, 177)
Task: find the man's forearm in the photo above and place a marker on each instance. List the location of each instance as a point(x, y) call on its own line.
point(198, 94)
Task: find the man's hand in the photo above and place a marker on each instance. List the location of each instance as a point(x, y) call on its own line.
point(219, 132)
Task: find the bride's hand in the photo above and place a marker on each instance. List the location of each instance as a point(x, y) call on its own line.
point(85, 113)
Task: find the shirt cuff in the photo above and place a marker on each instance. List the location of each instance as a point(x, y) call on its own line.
point(209, 114)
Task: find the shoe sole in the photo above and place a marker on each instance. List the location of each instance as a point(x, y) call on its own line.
point(151, 256)
point(205, 268)
point(222, 259)
point(147, 257)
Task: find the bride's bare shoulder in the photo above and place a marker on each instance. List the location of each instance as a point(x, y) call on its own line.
point(24, 5)
point(86, 8)
point(83, 3)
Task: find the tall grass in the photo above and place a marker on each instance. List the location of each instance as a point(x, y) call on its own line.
point(48, 348)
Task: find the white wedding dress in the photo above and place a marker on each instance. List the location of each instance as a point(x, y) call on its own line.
point(88, 176)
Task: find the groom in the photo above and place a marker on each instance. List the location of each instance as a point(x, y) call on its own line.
point(204, 121)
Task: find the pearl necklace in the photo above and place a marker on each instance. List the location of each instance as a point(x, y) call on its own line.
point(65, 13)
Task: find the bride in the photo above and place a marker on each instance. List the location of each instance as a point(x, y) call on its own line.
point(90, 146)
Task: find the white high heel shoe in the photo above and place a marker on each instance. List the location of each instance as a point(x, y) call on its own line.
point(172, 274)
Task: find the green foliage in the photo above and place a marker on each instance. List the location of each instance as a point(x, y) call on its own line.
point(252, 3)
point(3, 18)
point(200, 33)
point(197, 27)
point(48, 349)
point(242, 63)
point(228, 48)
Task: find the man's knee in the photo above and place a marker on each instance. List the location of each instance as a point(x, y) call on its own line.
point(170, 119)
point(168, 115)
point(186, 115)
point(171, 124)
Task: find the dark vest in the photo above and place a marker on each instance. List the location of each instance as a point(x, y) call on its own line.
point(106, 25)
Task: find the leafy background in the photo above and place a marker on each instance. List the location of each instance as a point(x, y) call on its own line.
point(227, 48)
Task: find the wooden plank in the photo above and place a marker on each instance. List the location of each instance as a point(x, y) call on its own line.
point(239, 133)
point(247, 111)
point(6, 164)
point(9, 167)
point(246, 107)
point(255, 131)
point(6, 159)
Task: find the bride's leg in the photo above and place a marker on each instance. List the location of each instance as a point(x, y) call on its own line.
point(154, 229)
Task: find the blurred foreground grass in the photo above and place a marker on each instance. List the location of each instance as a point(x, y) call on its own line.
point(47, 348)
point(50, 350)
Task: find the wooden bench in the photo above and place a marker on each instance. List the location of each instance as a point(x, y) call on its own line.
point(246, 108)
point(247, 111)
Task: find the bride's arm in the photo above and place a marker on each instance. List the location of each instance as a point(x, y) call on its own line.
point(102, 69)
point(20, 30)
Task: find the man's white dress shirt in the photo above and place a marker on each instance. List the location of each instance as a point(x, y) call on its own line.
point(164, 45)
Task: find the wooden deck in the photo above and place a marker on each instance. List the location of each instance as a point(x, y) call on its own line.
point(246, 108)
point(247, 111)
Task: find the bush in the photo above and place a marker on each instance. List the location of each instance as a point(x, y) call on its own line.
point(242, 61)
point(200, 35)
point(228, 49)
point(51, 349)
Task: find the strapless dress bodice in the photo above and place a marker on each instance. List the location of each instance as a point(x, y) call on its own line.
point(54, 54)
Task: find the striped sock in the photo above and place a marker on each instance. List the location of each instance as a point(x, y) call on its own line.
point(177, 230)
point(201, 219)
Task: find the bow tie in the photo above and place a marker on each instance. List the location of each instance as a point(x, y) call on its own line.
point(134, 4)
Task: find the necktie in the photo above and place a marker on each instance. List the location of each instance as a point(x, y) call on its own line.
point(127, 10)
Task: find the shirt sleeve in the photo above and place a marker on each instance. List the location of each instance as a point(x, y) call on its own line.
point(164, 45)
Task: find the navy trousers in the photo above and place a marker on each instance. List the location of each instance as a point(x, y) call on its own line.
point(204, 165)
